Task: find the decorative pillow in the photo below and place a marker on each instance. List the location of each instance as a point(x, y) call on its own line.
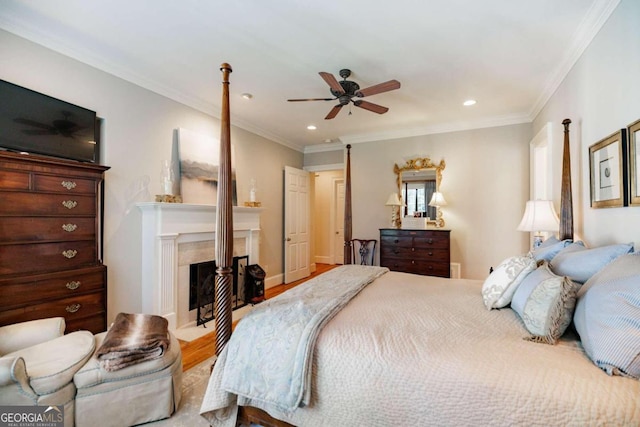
point(545, 303)
point(499, 287)
point(607, 317)
point(580, 263)
point(549, 249)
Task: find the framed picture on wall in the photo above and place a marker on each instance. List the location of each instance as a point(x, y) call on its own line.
point(633, 133)
point(608, 167)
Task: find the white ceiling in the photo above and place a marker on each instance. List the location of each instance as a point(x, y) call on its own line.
point(509, 55)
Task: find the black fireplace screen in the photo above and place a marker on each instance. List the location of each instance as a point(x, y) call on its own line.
point(202, 288)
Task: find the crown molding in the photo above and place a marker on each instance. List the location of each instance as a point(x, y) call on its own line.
point(593, 21)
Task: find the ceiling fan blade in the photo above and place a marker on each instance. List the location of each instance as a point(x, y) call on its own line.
point(334, 112)
point(39, 132)
point(33, 123)
point(379, 88)
point(332, 82)
point(311, 99)
point(370, 106)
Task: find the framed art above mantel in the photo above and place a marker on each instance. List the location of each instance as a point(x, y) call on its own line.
point(608, 170)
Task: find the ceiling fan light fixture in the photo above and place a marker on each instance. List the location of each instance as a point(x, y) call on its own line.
point(246, 96)
point(312, 127)
point(469, 102)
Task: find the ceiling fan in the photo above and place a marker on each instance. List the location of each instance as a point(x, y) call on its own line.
point(64, 127)
point(345, 91)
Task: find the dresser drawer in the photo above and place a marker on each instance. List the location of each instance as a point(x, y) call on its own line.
point(439, 241)
point(73, 308)
point(415, 253)
point(43, 257)
point(429, 268)
point(33, 229)
point(14, 180)
point(64, 184)
point(95, 324)
point(33, 289)
point(25, 204)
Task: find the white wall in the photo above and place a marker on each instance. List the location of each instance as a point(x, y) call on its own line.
point(600, 95)
point(485, 182)
point(138, 135)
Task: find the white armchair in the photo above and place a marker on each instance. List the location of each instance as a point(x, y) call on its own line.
point(38, 362)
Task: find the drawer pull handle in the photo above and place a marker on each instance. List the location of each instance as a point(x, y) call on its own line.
point(396, 241)
point(430, 241)
point(69, 253)
point(69, 185)
point(395, 251)
point(413, 262)
point(69, 227)
point(73, 308)
point(69, 204)
point(430, 253)
point(73, 285)
point(413, 249)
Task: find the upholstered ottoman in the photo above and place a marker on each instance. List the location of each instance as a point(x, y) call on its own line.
point(137, 394)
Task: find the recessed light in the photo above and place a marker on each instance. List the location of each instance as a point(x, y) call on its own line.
point(312, 127)
point(247, 96)
point(469, 102)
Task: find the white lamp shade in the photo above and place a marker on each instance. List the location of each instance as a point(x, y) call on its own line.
point(393, 200)
point(437, 199)
point(539, 215)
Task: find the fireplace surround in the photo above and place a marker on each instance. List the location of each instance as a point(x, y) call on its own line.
point(175, 235)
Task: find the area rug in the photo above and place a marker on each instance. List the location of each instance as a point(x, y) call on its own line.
point(194, 384)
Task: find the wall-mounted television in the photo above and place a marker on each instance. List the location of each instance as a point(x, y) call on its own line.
point(36, 123)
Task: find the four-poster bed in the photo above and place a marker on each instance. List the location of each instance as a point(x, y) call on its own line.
point(401, 349)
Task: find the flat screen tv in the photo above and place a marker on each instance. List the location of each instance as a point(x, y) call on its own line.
point(36, 123)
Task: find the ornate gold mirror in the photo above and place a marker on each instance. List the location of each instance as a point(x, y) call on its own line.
point(418, 183)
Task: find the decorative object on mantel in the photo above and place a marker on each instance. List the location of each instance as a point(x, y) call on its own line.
point(394, 202)
point(168, 198)
point(539, 215)
point(437, 200)
point(252, 203)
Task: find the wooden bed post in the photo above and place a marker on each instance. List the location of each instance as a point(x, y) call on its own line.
point(566, 201)
point(224, 224)
point(347, 209)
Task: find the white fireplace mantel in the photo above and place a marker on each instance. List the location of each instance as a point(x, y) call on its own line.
point(164, 227)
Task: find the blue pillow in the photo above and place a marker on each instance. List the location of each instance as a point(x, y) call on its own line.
point(579, 263)
point(549, 249)
point(607, 317)
point(545, 303)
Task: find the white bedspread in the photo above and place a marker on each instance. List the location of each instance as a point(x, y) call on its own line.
point(417, 350)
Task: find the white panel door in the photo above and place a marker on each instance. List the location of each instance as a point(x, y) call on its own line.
point(296, 224)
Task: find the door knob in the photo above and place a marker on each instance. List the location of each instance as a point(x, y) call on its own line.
point(288, 239)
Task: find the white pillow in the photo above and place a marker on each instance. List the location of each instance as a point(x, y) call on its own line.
point(499, 287)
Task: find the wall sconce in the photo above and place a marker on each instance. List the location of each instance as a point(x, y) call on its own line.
point(539, 215)
point(394, 202)
point(437, 200)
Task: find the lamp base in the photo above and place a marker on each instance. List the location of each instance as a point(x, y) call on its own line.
point(537, 241)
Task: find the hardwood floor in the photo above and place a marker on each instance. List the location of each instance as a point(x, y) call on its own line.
point(202, 348)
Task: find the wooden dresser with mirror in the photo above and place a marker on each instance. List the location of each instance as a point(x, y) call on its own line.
point(421, 250)
point(50, 241)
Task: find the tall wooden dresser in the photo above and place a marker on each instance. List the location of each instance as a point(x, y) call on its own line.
point(418, 251)
point(50, 249)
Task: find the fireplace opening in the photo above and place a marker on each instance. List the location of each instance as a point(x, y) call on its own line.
point(202, 287)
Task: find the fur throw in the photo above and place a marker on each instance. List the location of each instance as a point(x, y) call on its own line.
point(133, 338)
